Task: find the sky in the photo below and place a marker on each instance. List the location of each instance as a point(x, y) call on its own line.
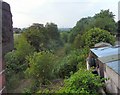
point(64, 13)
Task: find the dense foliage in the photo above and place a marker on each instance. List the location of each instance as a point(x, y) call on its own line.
point(82, 25)
point(70, 63)
point(103, 20)
point(42, 55)
point(97, 35)
point(15, 61)
point(41, 66)
point(43, 38)
point(81, 82)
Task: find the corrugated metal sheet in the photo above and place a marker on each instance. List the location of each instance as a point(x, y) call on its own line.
point(115, 65)
point(105, 51)
point(109, 58)
point(107, 54)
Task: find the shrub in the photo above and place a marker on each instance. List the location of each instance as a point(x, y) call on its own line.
point(70, 63)
point(16, 63)
point(97, 35)
point(82, 81)
point(40, 67)
point(15, 60)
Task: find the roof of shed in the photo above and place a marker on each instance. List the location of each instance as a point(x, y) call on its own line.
point(110, 56)
point(105, 51)
point(107, 54)
point(114, 65)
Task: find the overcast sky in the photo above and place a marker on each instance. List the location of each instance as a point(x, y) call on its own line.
point(65, 13)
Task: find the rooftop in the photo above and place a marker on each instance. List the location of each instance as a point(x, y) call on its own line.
point(105, 51)
point(107, 54)
point(114, 65)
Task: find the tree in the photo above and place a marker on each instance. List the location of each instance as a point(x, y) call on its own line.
point(52, 30)
point(105, 20)
point(77, 42)
point(37, 36)
point(16, 63)
point(82, 25)
point(43, 38)
point(71, 62)
point(64, 36)
point(40, 66)
point(96, 35)
point(15, 60)
point(23, 48)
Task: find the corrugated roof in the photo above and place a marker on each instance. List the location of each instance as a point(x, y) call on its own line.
point(107, 54)
point(114, 65)
point(105, 51)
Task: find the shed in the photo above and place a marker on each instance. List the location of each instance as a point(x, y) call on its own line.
point(107, 64)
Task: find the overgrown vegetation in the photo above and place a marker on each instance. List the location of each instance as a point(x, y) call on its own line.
point(44, 55)
point(40, 67)
point(82, 81)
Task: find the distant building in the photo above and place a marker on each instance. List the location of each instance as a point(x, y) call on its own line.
point(106, 63)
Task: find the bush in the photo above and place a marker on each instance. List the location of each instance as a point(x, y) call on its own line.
point(16, 63)
point(70, 63)
point(15, 60)
point(82, 81)
point(97, 35)
point(40, 67)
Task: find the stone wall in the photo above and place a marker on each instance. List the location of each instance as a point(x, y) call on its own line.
point(6, 39)
point(7, 28)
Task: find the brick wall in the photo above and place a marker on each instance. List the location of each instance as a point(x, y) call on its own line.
point(6, 39)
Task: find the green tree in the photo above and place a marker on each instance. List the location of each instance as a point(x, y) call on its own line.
point(16, 63)
point(40, 67)
point(97, 35)
point(37, 37)
point(105, 20)
point(71, 62)
point(52, 30)
point(82, 26)
point(64, 36)
point(77, 42)
point(43, 38)
point(15, 60)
